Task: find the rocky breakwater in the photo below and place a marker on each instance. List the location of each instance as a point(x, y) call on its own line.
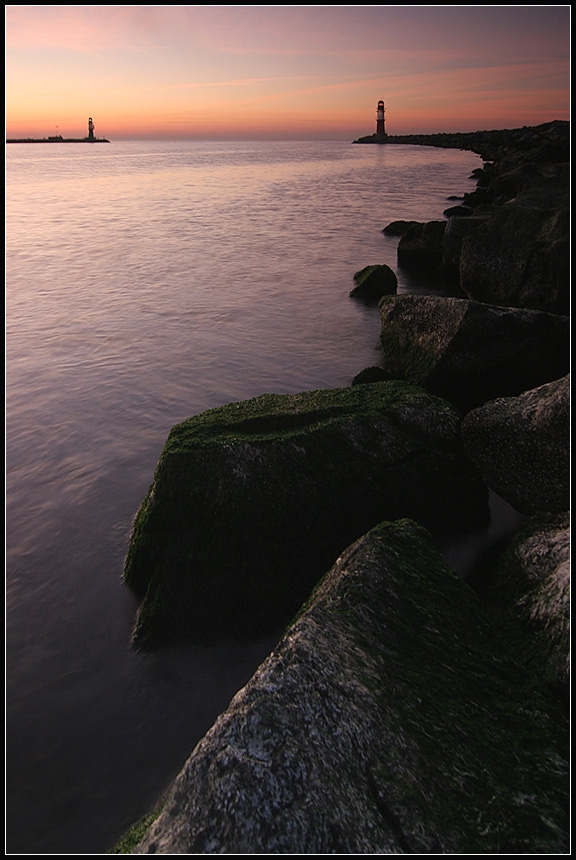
point(499, 349)
point(404, 711)
point(507, 242)
point(390, 719)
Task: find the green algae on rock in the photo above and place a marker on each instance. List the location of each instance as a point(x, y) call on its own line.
point(389, 719)
point(252, 502)
point(373, 282)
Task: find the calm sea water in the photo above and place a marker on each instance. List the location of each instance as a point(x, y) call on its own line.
point(146, 282)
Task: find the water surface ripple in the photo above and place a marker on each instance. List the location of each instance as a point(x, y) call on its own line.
point(146, 282)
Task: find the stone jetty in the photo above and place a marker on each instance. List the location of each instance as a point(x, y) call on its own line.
point(403, 710)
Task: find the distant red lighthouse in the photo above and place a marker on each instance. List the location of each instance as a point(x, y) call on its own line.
point(90, 129)
point(380, 118)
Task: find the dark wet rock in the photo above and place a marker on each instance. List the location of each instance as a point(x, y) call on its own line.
point(373, 282)
point(479, 197)
point(461, 211)
point(470, 352)
point(370, 374)
point(508, 183)
point(530, 585)
point(456, 230)
point(389, 719)
point(520, 255)
point(542, 144)
point(522, 447)
point(398, 228)
point(519, 258)
point(420, 247)
point(252, 502)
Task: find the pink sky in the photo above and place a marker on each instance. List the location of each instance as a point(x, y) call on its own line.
point(224, 72)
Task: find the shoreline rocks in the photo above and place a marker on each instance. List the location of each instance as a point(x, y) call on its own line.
point(373, 282)
point(252, 502)
point(388, 720)
point(521, 445)
point(469, 352)
point(507, 242)
point(545, 143)
point(403, 711)
point(529, 590)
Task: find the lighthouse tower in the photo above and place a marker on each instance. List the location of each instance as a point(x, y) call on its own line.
point(90, 129)
point(380, 119)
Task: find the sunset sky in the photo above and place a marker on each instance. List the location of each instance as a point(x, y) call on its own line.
point(287, 72)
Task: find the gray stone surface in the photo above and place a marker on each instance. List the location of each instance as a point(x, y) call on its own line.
point(469, 352)
point(519, 258)
point(522, 446)
point(531, 584)
point(388, 720)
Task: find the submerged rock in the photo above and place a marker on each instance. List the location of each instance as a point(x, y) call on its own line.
point(522, 447)
point(470, 352)
point(388, 720)
point(252, 502)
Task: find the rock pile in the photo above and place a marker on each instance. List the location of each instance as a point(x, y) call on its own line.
point(508, 241)
point(390, 719)
point(402, 711)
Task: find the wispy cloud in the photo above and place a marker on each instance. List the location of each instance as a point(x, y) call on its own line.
point(311, 60)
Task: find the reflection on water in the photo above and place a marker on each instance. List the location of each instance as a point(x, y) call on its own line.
point(145, 284)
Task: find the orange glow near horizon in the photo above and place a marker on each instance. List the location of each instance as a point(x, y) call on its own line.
point(212, 72)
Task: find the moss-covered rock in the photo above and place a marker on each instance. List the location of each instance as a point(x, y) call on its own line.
point(390, 719)
point(373, 282)
point(469, 352)
point(252, 502)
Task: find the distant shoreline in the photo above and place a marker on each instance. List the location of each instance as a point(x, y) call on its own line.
point(485, 143)
point(57, 140)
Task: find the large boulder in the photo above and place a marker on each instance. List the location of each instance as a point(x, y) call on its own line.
point(252, 502)
point(398, 228)
point(522, 447)
point(420, 247)
point(388, 720)
point(520, 256)
point(530, 586)
point(469, 352)
point(456, 230)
